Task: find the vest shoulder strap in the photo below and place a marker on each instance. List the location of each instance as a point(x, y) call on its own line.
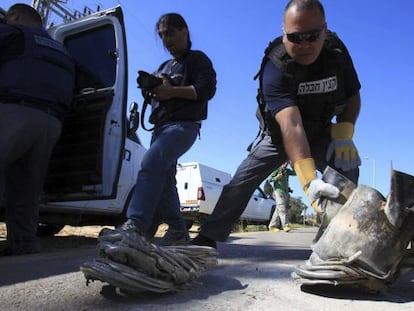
point(276, 55)
point(274, 51)
point(335, 45)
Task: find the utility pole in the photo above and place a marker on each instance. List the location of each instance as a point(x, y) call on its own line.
point(374, 171)
point(58, 7)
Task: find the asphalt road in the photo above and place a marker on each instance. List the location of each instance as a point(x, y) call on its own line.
point(253, 273)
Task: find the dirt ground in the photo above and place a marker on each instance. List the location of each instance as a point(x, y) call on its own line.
point(76, 237)
point(71, 236)
point(85, 231)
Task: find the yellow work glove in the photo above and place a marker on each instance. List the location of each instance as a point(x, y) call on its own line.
point(346, 154)
point(313, 187)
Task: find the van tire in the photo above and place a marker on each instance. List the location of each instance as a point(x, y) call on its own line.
point(48, 230)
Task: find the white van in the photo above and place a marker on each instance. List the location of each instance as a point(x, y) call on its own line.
point(199, 187)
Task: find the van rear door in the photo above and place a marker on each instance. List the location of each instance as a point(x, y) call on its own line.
point(86, 162)
point(188, 181)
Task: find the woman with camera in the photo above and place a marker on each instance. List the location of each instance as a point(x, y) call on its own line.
point(178, 105)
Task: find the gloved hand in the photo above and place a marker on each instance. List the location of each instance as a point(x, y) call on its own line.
point(346, 154)
point(313, 187)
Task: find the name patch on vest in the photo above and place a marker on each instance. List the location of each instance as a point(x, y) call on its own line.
point(320, 86)
point(42, 41)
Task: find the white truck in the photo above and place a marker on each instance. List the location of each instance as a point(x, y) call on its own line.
point(199, 187)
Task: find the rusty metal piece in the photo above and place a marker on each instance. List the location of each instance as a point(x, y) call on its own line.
point(367, 243)
point(330, 207)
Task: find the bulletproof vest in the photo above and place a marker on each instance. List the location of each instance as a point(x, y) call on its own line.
point(43, 73)
point(318, 89)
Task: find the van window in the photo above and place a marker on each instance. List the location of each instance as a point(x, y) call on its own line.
point(96, 57)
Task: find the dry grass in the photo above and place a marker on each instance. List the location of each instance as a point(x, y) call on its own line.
point(93, 231)
point(2, 231)
point(70, 237)
point(85, 231)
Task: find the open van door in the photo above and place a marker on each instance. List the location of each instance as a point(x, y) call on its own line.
point(86, 162)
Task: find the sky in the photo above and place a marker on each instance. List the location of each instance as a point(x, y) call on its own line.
point(234, 34)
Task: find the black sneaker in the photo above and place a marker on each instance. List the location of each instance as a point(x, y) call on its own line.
point(174, 238)
point(202, 240)
point(129, 227)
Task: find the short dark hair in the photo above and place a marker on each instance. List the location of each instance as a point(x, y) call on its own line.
point(174, 20)
point(28, 12)
point(306, 5)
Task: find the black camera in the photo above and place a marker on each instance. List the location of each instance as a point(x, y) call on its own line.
point(147, 81)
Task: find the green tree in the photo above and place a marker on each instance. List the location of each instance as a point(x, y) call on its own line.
point(296, 209)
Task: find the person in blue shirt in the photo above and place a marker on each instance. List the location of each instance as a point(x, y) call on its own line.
point(307, 81)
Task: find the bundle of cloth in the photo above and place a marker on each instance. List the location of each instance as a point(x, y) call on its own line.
point(127, 261)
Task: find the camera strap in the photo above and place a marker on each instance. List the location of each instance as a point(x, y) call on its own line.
point(166, 68)
point(147, 100)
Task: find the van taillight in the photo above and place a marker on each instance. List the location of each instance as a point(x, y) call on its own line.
point(200, 194)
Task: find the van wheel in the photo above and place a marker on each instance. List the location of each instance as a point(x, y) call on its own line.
point(48, 230)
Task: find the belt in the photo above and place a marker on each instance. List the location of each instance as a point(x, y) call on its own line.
point(25, 103)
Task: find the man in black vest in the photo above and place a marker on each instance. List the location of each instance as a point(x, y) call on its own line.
point(36, 89)
point(307, 79)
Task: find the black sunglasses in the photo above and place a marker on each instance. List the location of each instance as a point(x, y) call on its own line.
point(310, 36)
